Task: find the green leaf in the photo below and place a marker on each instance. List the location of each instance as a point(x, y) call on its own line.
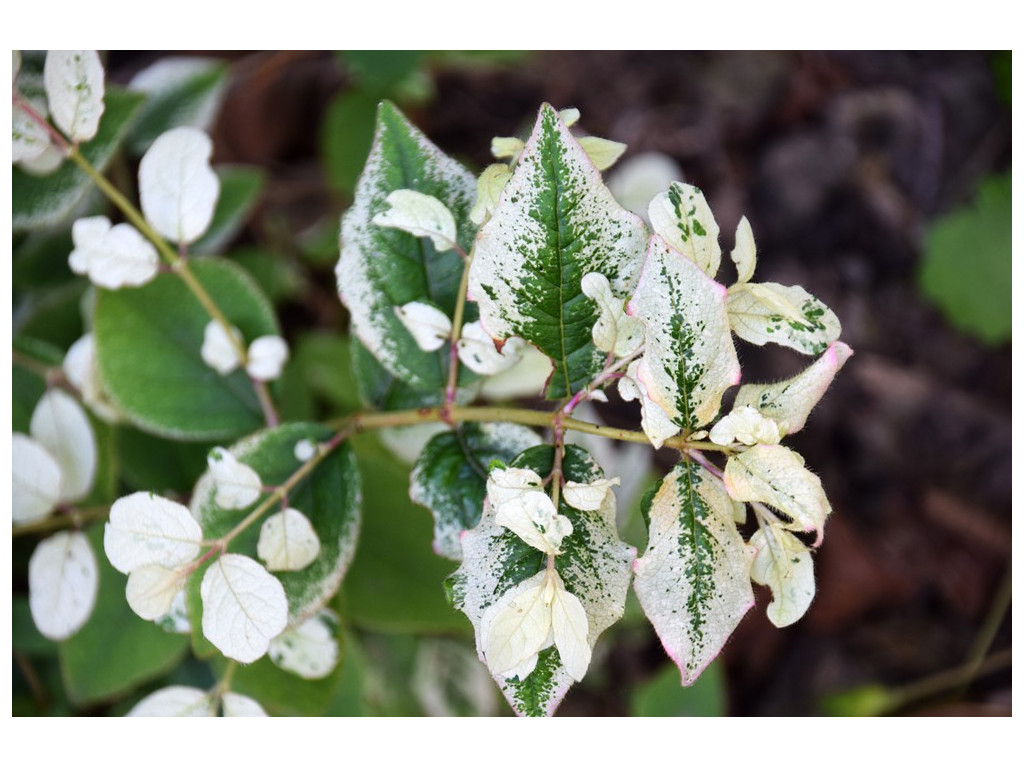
point(148, 343)
point(346, 138)
point(240, 187)
point(450, 477)
point(378, 389)
point(694, 579)
point(40, 260)
point(662, 696)
point(556, 221)
point(967, 263)
point(395, 582)
point(328, 497)
point(383, 268)
point(380, 72)
point(281, 692)
point(180, 91)
point(24, 635)
point(55, 315)
point(277, 277)
point(594, 564)
point(150, 463)
point(116, 650)
point(325, 360)
point(40, 201)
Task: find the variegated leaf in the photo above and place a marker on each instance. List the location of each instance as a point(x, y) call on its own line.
point(784, 564)
point(74, 90)
point(775, 475)
point(783, 314)
point(694, 579)
point(682, 218)
point(594, 566)
point(381, 268)
point(555, 222)
point(790, 402)
point(450, 476)
point(689, 358)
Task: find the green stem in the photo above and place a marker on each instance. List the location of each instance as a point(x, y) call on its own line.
point(71, 518)
point(460, 309)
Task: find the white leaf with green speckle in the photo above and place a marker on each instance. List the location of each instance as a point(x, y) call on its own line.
point(776, 475)
point(790, 402)
point(682, 218)
point(478, 352)
point(694, 579)
point(238, 485)
point(28, 138)
point(784, 564)
point(63, 581)
point(244, 607)
point(783, 314)
point(145, 529)
point(689, 359)
point(656, 424)
point(309, 650)
point(74, 90)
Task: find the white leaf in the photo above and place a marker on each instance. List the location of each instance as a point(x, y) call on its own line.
point(162, 79)
point(74, 91)
point(63, 580)
point(120, 257)
point(510, 483)
point(152, 590)
point(238, 485)
point(28, 138)
point(177, 187)
point(429, 326)
point(636, 181)
point(683, 219)
point(287, 541)
point(267, 356)
point(305, 450)
point(507, 148)
point(744, 255)
point(217, 351)
point(488, 190)
point(35, 480)
point(775, 475)
point(60, 425)
point(588, 496)
point(145, 529)
point(244, 607)
point(790, 402)
point(784, 564)
point(656, 424)
point(783, 314)
point(407, 443)
point(614, 331)
point(689, 359)
point(478, 352)
point(81, 370)
point(524, 379)
point(693, 581)
point(420, 215)
point(745, 425)
point(237, 705)
point(602, 152)
point(45, 163)
point(570, 628)
point(175, 701)
point(87, 235)
point(310, 650)
point(517, 627)
point(569, 116)
point(533, 518)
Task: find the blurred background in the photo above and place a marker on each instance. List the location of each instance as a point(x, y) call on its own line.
point(878, 181)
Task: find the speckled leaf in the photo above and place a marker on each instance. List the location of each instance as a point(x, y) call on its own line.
point(381, 268)
point(41, 201)
point(594, 564)
point(148, 343)
point(556, 221)
point(74, 92)
point(450, 477)
point(683, 219)
point(689, 359)
point(329, 497)
point(790, 402)
point(776, 475)
point(694, 579)
point(783, 314)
